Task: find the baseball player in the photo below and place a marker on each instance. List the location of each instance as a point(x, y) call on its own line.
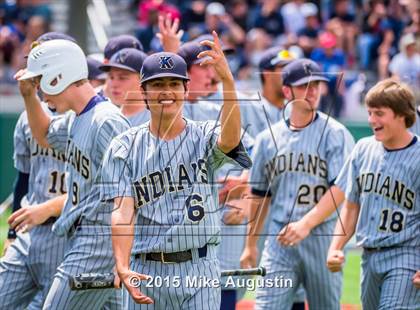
point(27, 270)
point(114, 45)
point(171, 193)
point(256, 116)
point(382, 187)
point(123, 84)
point(295, 164)
point(84, 138)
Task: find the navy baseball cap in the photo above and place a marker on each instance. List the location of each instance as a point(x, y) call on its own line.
point(267, 57)
point(94, 73)
point(54, 36)
point(48, 36)
point(302, 71)
point(129, 59)
point(119, 42)
point(190, 50)
point(163, 64)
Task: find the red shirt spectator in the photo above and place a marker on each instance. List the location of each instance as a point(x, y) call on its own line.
point(155, 6)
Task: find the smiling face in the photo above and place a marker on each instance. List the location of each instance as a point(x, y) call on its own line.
point(120, 82)
point(386, 125)
point(165, 96)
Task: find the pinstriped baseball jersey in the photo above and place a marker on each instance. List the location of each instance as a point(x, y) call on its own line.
point(202, 110)
point(386, 185)
point(46, 167)
point(416, 127)
point(139, 118)
point(257, 116)
point(86, 142)
point(172, 183)
point(26, 272)
point(297, 167)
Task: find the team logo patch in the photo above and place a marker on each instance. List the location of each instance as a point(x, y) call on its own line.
point(122, 57)
point(307, 68)
point(166, 62)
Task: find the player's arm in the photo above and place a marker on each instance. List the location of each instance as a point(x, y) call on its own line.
point(122, 220)
point(38, 119)
point(344, 230)
point(29, 216)
point(230, 134)
point(327, 205)
point(258, 210)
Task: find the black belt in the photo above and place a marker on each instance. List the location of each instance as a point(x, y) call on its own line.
point(369, 250)
point(175, 257)
point(50, 220)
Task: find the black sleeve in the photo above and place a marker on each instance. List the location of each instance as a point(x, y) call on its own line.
point(20, 189)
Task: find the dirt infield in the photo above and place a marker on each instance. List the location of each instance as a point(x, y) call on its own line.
point(249, 305)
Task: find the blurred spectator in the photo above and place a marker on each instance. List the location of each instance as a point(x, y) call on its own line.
point(308, 35)
point(193, 16)
point(377, 36)
point(29, 8)
point(269, 18)
point(150, 9)
point(413, 8)
point(344, 20)
point(332, 61)
point(219, 20)
point(257, 41)
point(21, 22)
point(406, 64)
point(240, 10)
point(37, 25)
point(292, 16)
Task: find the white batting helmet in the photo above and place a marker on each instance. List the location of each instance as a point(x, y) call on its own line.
point(59, 63)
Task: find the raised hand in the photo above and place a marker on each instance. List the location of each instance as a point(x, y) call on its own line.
point(216, 58)
point(169, 35)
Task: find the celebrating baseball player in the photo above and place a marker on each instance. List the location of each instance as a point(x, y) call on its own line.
point(28, 268)
point(292, 171)
point(161, 178)
point(382, 185)
point(84, 137)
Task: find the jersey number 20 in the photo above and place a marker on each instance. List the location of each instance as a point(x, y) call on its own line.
point(310, 195)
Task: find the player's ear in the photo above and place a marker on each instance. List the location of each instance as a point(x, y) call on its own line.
point(287, 92)
point(186, 89)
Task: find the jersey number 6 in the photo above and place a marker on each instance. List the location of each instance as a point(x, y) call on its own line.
point(195, 209)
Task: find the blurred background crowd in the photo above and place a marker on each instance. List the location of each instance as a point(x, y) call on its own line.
point(357, 41)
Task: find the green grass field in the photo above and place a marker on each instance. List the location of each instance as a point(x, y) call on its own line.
point(351, 288)
point(351, 285)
